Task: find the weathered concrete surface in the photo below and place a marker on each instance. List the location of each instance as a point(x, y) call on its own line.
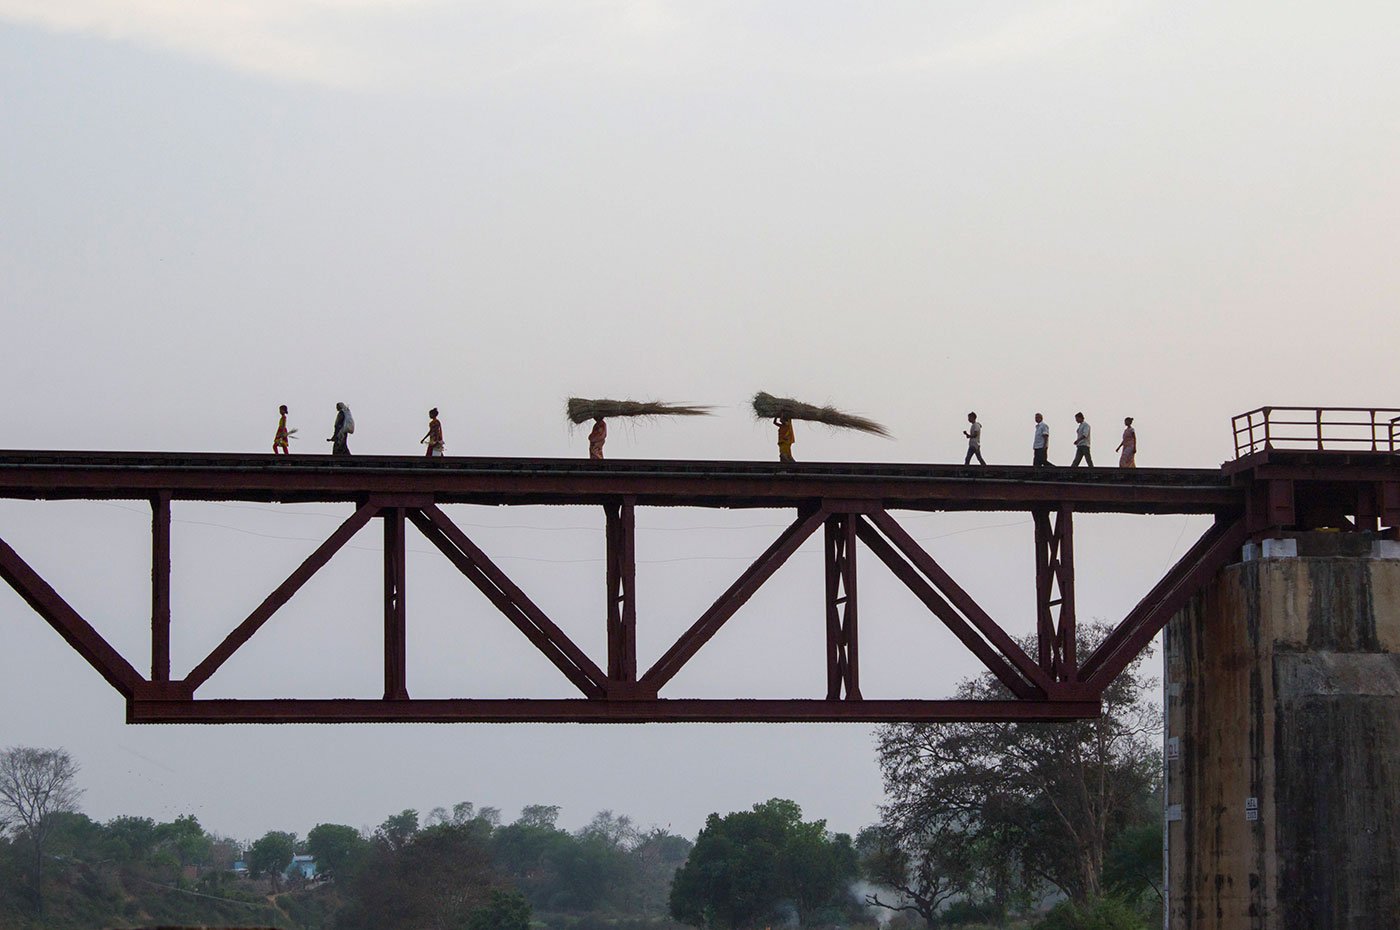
point(1283, 685)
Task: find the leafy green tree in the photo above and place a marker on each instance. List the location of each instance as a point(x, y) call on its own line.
point(131, 839)
point(506, 910)
point(1038, 802)
point(529, 852)
point(338, 849)
point(272, 854)
point(186, 840)
point(543, 816)
point(1133, 867)
point(398, 830)
point(440, 877)
point(747, 865)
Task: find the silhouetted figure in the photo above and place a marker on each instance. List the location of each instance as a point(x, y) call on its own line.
point(596, 437)
point(433, 438)
point(1127, 449)
point(1081, 442)
point(1040, 445)
point(344, 426)
point(786, 437)
point(974, 440)
point(283, 437)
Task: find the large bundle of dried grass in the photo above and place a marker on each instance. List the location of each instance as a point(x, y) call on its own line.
point(583, 409)
point(768, 407)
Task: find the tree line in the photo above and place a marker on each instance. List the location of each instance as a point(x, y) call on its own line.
point(1050, 825)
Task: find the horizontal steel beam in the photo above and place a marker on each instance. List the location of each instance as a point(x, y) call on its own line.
point(582, 710)
point(319, 478)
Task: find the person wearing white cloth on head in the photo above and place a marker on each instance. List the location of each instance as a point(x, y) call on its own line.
point(344, 426)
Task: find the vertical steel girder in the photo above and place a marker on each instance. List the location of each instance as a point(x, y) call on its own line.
point(842, 653)
point(621, 531)
point(160, 587)
point(1054, 593)
point(395, 615)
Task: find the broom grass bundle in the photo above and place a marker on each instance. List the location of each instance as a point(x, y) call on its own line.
point(768, 407)
point(583, 409)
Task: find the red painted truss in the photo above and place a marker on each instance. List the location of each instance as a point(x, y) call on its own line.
point(853, 507)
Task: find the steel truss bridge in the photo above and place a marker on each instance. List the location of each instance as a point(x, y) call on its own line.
point(855, 508)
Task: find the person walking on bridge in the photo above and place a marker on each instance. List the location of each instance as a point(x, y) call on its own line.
point(1081, 442)
point(433, 438)
point(1127, 449)
point(974, 440)
point(340, 435)
point(1040, 445)
point(786, 437)
point(596, 437)
point(282, 439)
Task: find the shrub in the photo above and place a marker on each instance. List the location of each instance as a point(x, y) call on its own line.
point(1100, 914)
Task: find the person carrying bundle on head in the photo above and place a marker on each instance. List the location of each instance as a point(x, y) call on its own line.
point(596, 437)
point(786, 437)
point(433, 438)
point(782, 411)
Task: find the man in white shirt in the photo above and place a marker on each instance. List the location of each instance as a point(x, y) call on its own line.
point(974, 440)
point(1041, 443)
point(1081, 442)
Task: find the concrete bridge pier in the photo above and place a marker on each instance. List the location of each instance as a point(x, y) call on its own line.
point(1283, 740)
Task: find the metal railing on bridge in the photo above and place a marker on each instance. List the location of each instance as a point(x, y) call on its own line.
point(1338, 429)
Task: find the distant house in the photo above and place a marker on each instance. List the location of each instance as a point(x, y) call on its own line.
point(305, 866)
point(240, 868)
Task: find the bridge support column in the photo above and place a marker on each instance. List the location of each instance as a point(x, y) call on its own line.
point(1283, 741)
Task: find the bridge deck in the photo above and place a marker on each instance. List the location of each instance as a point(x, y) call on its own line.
point(41, 475)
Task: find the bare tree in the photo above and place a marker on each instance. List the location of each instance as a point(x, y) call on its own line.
point(36, 784)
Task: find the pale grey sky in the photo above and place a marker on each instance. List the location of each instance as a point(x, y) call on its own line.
point(1175, 211)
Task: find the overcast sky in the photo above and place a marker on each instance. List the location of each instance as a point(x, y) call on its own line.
point(1175, 211)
